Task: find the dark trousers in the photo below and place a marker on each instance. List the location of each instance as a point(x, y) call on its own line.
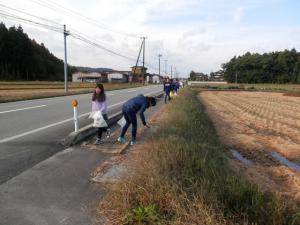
point(130, 118)
point(103, 129)
point(167, 95)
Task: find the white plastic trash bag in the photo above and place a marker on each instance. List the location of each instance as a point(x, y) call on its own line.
point(99, 121)
point(122, 121)
point(91, 115)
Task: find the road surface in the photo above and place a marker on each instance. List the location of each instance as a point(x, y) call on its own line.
point(32, 130)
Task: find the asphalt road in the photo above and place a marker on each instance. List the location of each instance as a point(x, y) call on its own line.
point(31, 131)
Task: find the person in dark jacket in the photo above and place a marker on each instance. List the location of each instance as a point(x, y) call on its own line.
point(130, 108)
point(167, 89)
point(176, 86)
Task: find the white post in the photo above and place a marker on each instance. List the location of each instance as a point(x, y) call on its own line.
point(75, 119)
point(74, 104)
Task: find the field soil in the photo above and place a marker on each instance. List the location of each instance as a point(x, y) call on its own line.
point(257, 124)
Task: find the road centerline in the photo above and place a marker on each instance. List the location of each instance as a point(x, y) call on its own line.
point(15, 110)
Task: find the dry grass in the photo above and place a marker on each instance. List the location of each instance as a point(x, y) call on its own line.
point(258, 123)
point(15, 91)
point(148, 185)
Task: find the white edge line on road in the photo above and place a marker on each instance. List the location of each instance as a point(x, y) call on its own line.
point(132, 90)
point(58, 123)
point(14, 110)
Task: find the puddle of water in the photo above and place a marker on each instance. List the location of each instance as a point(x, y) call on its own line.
point(241, 158)
point(285, 161)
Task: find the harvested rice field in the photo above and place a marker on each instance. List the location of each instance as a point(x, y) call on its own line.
point(261, 126)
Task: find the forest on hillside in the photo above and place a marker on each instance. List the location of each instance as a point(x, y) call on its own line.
point(275, 67)
point(22, 58)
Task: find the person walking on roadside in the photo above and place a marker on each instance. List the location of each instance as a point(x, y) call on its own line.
point(176, 86)
point(130, 108)
point(99, 104)
point(167, 89)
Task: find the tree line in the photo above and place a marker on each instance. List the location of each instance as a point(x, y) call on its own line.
point(22, 58)
point(275, 67)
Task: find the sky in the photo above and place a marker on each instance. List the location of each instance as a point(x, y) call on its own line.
point(197, 35)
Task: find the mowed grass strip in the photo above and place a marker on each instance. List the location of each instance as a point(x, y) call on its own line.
point(182, 175)
point(17, 91)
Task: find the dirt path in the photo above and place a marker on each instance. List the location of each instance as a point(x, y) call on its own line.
point(257, 124)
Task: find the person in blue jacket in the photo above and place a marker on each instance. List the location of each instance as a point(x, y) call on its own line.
point(176, 86)
point(130, 108)
point(168, 87)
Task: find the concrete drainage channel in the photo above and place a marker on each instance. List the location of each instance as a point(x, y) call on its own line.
point(294, 166)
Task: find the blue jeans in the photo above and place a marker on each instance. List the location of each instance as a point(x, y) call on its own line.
point(130, 118)
point(167, 95)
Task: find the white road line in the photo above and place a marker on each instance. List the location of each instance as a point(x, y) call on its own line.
point(132, 90)
point(14, 110)
point(49, 126)
point(58, 123)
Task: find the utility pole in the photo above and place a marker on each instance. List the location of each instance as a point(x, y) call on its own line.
point(137, 60)
point(159, 56)
point(144, 47)
point(236, 78)
point(66, 33)
point(171, 71)
point(166, 61)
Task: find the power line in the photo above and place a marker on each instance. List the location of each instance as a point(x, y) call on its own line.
point(55, 6)
point(74, 35)
point(97, 40)
point(14, 17)
point(60, 30)
point(79, 37)
point(28, 14)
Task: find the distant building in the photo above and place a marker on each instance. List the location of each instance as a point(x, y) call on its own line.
point(217, 76)
point(153, 78)
point(201, 77)
point(118, 77)
point(138, 74)
point(89, 77)
point(111, 77)
point(156, 79)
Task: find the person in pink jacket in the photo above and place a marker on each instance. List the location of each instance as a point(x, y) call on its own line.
point(99, 104)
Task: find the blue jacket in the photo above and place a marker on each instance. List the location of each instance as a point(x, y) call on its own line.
point(176, 86)
point(168, 87)
point(135, 105)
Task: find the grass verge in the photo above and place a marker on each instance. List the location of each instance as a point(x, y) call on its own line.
point(182, 175)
